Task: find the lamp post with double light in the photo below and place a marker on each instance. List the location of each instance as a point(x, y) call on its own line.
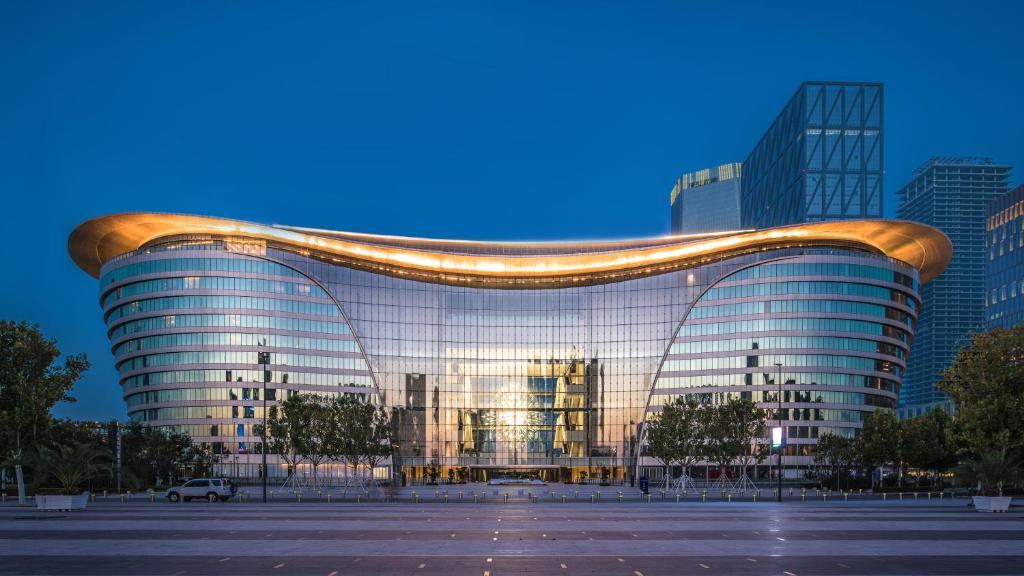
point(264, 361)
point(777, 438)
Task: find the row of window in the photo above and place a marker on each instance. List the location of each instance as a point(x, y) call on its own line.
point(803, 414)
point(824, 269)
point(214, 283)
point(276, 377)
point(793, 325)
point(225, 320)
point(279, 359)
point(802, 396)
point(197, 412)
point(238, 302)
point(235, 339)
point(768, 377)
point(223, 394)
point(787, 360)
point(837, 343)
point(242, 265)
point(797, 306)
point(808, 287)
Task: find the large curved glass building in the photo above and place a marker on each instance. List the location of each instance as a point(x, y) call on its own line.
point(543, 358)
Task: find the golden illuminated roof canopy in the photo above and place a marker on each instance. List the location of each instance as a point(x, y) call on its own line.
point(513, 264)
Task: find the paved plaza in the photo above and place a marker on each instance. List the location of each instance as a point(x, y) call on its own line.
point(492, 539)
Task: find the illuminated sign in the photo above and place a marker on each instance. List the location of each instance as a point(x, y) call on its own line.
point(245, 246)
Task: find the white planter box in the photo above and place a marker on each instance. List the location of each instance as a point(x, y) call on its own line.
point(992, 503)
point(59, 502)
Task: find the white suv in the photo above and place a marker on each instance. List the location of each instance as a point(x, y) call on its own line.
point(210, 489)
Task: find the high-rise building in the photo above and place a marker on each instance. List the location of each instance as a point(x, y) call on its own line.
point(1004, 269)
point(707, 200)
point(820, 160)
point(496, 359)
point(951, 194)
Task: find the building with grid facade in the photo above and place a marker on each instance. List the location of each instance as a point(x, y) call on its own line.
point(821, 159)
point(1004, 269)
point(707, 200)
point(951, 194)
point(541, 359)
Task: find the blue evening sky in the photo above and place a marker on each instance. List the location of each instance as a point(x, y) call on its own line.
point(481, 120)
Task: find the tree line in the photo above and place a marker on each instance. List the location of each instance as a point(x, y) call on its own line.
point(317, 429)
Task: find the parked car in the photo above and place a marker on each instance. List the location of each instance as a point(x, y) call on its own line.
point(210, 489)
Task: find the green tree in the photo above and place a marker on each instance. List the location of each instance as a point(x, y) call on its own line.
point(725, 444)
point(878, 443)
point(928, 443)
point(677, 435)
point(153, 456)
point(282, 432)
point(749, 430)
point(838, 455)
point(362, 434)
point(312, 428)
point(32, 381)
point(72, 465)
point(986, 380)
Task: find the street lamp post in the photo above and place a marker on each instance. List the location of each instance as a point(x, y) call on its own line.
point(264, 358)
point(778, 379)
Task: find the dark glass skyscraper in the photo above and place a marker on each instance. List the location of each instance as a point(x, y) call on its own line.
point(820, 160)
point(1004, 269)
point(707, 200)
point(951, 194)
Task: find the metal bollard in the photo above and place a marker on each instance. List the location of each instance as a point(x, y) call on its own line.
point(648, 498)
point(883, 496)
point(152, 496)
point(824, 496)
point(755, 495)
point(803, 495)
point(790, 491)
point(506, 497)
point(446, 498)
point(929, 495)
point(846, 496)
point(901, 495)
point(620, 497)
point(704, 496)
point(593, 497)
point(460, 495)
point(328, 497)
point(677, 497)
point(122, 498)
point(915, 495)
point(728, 497)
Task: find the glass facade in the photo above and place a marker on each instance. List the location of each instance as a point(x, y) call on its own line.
point(821, 159)
point(1004, 269)
point(951, 194)
point(481, 381)
point(707, 200)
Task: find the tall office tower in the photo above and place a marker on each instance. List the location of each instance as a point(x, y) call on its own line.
point(820, 160)
point(951, 194)
point(1004, 269)
point(707, 200)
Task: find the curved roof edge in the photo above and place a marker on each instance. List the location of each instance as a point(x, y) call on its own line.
point(98, 240)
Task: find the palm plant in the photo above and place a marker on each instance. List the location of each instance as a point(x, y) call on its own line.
point(73, 465)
